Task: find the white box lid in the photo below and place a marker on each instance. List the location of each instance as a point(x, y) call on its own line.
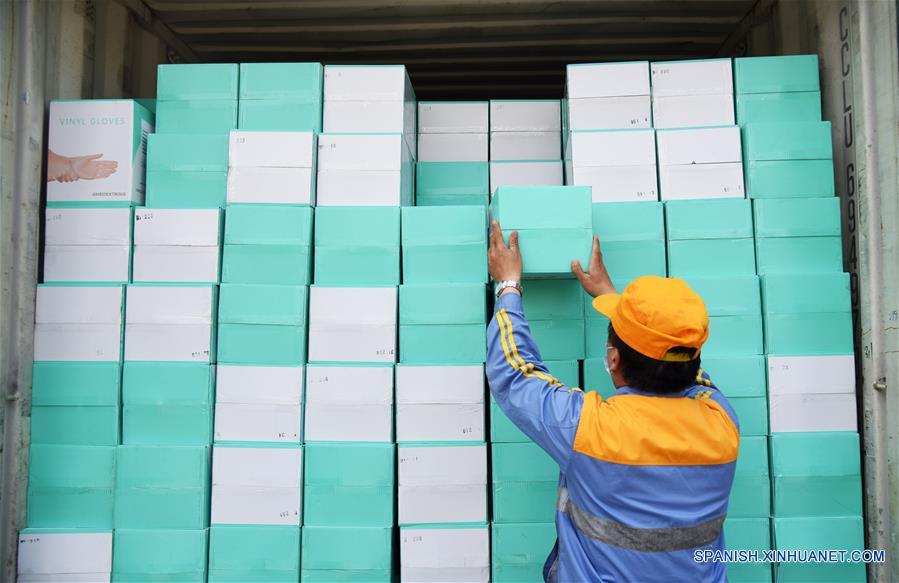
point(200, 227)
point(58, 304)
point(282, 385)
point(88, 226)
point(607, 79)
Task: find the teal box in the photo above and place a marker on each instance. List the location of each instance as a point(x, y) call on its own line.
point(187, 152)
point(71, 486)
point(797, 217)
point(737, 376)
point(814, 534)
point(555, 312)
point(347, 554)
point(779, 107)
point(426, 200)
point(635, 257)
point(502, 430)
point(799, 255)
point(167, 403)
point(172, 556)
point(262, 324)
point(444, 245)
point(75, 403)
point(805, 293)
point(566, 371)
point(726, 218)
point(748, 534)
point(791, 73)
point(240, 554)
point(349, 484)
point(734, 336)
point(196, 81)
point(752, 413)
point(186, 189)
point(559, 339)
point(816, 474)
point(808, 334)
point(711, 257)
point(443, 324)
point(596, 336)
point(729, 296)
point(443, 343)
point(196, 117)
point(808, 140)
point(633, 237)
point(549, 252)
point(451, 179)
point(596, 378)
point(519, 551)
point(789, 178)
point(525, 483)
point(296, 81)
point(267, 244)
point(162, 487)
point(750, 495)
point(268, 224)
point(357, 245)
point(286, 115)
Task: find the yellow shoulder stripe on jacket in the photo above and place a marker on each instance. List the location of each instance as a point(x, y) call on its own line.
point(511, 351)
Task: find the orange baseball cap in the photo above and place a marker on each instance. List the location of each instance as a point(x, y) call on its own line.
point(655, 314)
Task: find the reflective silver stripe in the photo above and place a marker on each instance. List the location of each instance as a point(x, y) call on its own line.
point(649, 540)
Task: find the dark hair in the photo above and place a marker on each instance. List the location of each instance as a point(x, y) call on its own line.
point(651, 375)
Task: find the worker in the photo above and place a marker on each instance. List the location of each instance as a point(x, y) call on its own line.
point(645, 474)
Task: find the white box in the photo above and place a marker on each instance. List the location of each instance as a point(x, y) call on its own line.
point(703, 77)
point(701, 181)
point(445, 555)
point(271, 149)
point(361, 152)
point(525, 174)
point(526, 116)
point(512, 146)
point(616, 183)
point(610, 113)
point(349, 403)
point(364, 188)
point(86, 263)
point(177, 227)
point(259, 403)
point(97, 150)
point(78, 323)
point(699, 146)
point(352, 324)
point(607, 79)
point(368, 83)
point(169, 323)
point(64, 556)
point(271, 185)
point(87, 226)
point(612, 148)
point(813, 412)
point(442, 484)
point(257, 485)
point(692, 111)
point(440, 403)
point(794, 375)
point(453, 147)
point(176, 263)
point(375, 117)
point(463, 117)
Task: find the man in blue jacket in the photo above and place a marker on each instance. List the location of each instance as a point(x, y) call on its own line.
point(645, 475)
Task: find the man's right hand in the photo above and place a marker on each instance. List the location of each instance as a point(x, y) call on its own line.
point(596, 280)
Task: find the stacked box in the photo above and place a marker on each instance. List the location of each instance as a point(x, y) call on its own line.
point(752, 534)
point(443, 323)
point(452, 165)
point(440, 403)
point(357, 245)
point(777, 89)
point(690, 94)
point(525, 484)
point(554, 224)
point(619, 166)
point(525, 143)
point(798, 235)
point(812, 393)
point(710, 237)
point(743, 380)
point(444, 245)
point(555, 312)
point(64, 555)
point(254, 553)
point(735, 314)
point(258, 403)
point(355, 553)
point(97, 151)
point(365, 170)
point(187, 170)
point(459, 552)
point(352, 324)
point(813, 534)
point(87, 245)
point(283, 97)
point(700, 163)
point(750, 495)
point(159, 555)
point(177, 245)
point(442, 483)
point(519, 551)
point(170, 323)
point(788, 159)
point(349, 402)
point(607, 96)
point(196, 98)
point(272, 167)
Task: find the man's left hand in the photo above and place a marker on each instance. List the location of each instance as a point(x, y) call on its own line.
point(503, 261)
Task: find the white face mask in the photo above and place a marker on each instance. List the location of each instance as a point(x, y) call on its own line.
point(605, 361)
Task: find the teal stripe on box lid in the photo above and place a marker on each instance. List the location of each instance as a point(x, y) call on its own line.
point(263, 304)
point(709, 219)
point(628, 221)
point(268, 224)
point(349, 226)
point(75, 383)
point(797, 217)
point(196, 81)
point(806, 293)
point(787, 141)
point(458, 303)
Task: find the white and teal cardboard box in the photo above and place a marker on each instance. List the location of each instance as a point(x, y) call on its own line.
point(78, 131)
point(167, 403)
point(170, 322)
point(445, 552)
point(259, 403)
point(798, 235)
point(632, 236)
point(519, 551)
point(349, 484)
point(750, 496)
point(78, 323)
point(262, 324)
point(742, 380)
point(88, 244)
point(816, 474)
point(267, 244)
point(347, 554)
point(440, 403)
point(162, 487)
point(788, 160)
point(525, 483)
point(753, 534)
point(784, 74)
point(710, 237)
point(443, 324)
point(356, 245)
point(240, 553)
point(442, 482)
point(187, 170)
point(280, 97)
point(735, 314)
point(167, 556)
point(349, 402)
point(444, 245)
point(555, 312)
point(64, 555)
point(364, 170)
point(75, 403)
point(807, 314)
point(71, 486)
point(813, 533)
point(554, 224)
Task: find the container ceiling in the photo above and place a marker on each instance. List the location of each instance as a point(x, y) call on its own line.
point(464, 49)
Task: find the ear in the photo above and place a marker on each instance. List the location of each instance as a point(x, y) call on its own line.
point(614, 359)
